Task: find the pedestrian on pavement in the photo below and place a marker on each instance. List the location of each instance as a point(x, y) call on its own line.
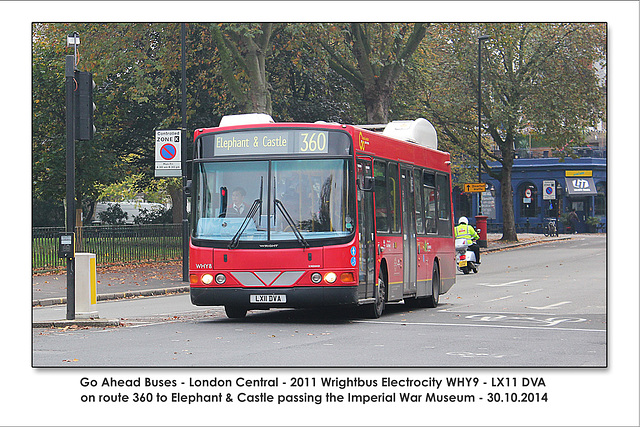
point(573, 219)
point(464, 231)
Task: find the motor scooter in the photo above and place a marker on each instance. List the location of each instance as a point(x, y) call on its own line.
point(465, 259)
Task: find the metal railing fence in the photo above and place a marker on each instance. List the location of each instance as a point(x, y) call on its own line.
point(110, 243)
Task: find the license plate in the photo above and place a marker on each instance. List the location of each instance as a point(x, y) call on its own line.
point(267, 298)
point(462, 263)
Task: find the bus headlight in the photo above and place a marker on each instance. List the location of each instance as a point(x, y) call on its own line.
point(221, 279)
point(330, 277)
point(207, 279)
point(316, 278)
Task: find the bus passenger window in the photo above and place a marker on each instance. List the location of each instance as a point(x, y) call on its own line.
point(429, 192)
point(382, 199)
point(418, 202)
point(444, 205)
point(394, 198)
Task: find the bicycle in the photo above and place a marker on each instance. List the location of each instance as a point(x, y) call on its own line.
point(550, 228)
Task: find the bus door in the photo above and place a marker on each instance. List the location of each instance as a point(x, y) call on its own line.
point(366, 229)
point(409, 242)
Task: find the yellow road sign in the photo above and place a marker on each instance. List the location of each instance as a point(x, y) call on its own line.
point(475, 188)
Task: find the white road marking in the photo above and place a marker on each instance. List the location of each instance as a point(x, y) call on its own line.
point(475, 325)
point(558, 304)
point(498, 299)
point(532, 291)
point(508, 283)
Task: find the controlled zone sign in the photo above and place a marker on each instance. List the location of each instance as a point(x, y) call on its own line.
point(548, 190)
point(168, 153)
point(475, 187)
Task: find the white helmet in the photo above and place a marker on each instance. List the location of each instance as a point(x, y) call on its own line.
point(463, 220)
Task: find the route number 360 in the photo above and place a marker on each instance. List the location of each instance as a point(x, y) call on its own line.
point(314, 142)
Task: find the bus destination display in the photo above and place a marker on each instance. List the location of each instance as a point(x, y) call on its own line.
point(285, 141)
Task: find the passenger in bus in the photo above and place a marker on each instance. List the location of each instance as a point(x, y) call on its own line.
point(238, 207)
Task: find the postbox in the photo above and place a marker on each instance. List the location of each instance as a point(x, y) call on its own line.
point(481, 225)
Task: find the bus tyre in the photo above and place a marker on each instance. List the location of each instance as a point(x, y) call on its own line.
point(234, 312)
point(376, 309)
point(432, 300)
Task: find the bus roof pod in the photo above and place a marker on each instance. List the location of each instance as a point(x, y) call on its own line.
point(419, 131)
point(245, 119)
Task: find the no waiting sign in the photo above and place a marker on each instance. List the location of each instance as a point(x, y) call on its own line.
point(168, 155)
point(548, 190)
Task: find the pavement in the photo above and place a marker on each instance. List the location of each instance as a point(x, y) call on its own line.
point(152, 279)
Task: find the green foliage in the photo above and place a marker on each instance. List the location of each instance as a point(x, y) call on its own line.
point(538, 78)
point(372, 57)
point(305, 88)
point(154, 216)
point(114, 215)
point(593, 221)
point(155, 190)
point(47, 213)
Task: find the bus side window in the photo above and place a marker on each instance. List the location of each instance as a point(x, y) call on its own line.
point(417, 174)
point(382, 196)
point(444, 205)
point(430, 201)
point(394, 198)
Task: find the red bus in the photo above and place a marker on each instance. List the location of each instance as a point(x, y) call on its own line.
point(319, 214)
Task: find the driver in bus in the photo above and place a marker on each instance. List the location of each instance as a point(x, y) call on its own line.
point(238, 207)
point(464, 231)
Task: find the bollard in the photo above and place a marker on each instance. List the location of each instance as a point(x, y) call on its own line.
point(481, 223)
point(86, 286)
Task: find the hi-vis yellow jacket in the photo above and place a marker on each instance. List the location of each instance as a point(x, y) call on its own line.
point(464, 231)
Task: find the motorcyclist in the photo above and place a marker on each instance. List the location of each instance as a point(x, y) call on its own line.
point(464, 231)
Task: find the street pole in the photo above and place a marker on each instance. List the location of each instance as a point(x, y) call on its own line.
point(69, 72)
point(480, 40)
point(185, 220)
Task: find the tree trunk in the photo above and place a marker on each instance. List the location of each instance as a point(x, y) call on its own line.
point(176, 203)
point(376, 103)
point(259, 94)
point(508, 216)
point(248, 54)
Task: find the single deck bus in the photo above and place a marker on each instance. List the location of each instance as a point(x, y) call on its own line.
point(319, 214)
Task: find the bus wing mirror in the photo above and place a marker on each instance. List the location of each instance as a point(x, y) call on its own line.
point(187, 189)
point(368, 184)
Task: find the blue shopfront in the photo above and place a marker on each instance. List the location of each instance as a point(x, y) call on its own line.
point(545, 188)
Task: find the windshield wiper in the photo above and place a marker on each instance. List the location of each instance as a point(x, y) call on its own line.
point(257, 203)
point(289, 220)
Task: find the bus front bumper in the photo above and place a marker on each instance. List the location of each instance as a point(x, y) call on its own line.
point(257, 299)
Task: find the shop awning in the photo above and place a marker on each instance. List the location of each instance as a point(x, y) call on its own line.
point(578, 186)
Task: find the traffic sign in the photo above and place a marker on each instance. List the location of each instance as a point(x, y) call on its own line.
point(475, 187)
point(549, 190)
point(168, 151)
point(168, 158)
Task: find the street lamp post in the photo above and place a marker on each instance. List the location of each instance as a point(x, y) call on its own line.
point(480, 40)
point(185, 219)
point(481, 220)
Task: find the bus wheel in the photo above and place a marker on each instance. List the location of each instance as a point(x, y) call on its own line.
point(432, 300)
point(376, 309)
point(234, 312)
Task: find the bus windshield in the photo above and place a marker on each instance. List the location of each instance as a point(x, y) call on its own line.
point(279, 200)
